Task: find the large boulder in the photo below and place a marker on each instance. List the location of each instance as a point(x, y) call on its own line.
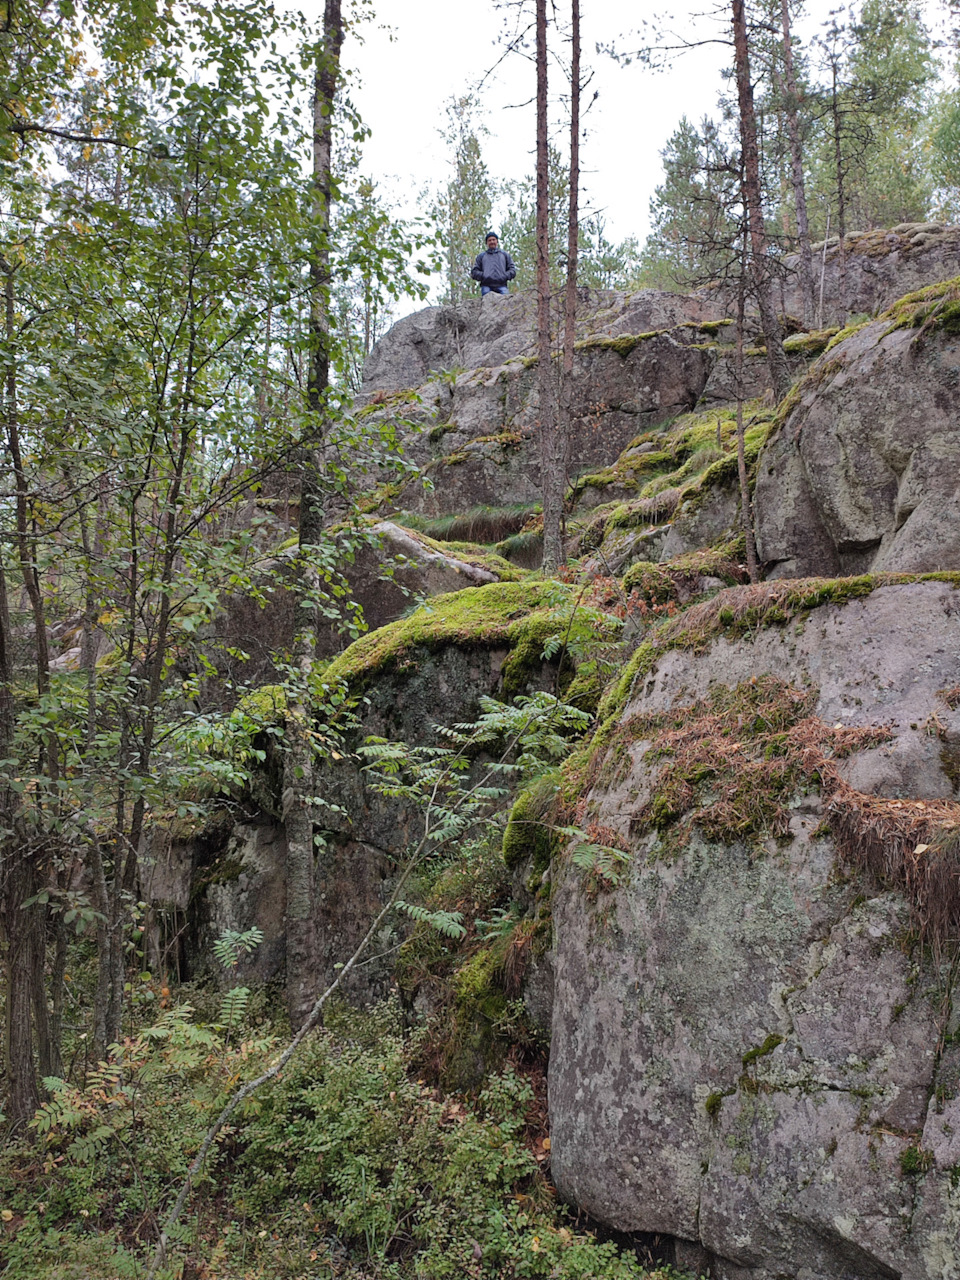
point(874, 269)
point(755, 1045)
point(387, 570)
point(863, 473)
point(487, 333)
point(409, 680)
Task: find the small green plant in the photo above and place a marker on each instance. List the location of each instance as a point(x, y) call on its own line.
point(230, 948)
point(602, 864)
point(233, 945)
point(915, 1161)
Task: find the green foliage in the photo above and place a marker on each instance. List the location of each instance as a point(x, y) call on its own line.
point(523, 738)
point(233, 944)
point(114, 1145)
point(463, 208)
point(602, 865)
point(449, 923)
point(692, 210)
point(415, 1183)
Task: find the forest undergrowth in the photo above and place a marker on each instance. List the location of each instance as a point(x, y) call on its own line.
point(355, 1163)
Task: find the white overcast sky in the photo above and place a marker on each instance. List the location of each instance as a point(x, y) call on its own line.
point(417, 53)
point(423, 52)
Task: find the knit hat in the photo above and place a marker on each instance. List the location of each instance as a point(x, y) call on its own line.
point(488, 235)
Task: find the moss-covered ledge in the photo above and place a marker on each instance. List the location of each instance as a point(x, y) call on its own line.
point(520, 616)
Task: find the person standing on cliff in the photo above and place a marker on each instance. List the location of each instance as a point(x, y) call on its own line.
point(494, 268)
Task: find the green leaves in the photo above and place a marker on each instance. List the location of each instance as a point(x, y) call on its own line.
point(233, 945)
point(449, 923)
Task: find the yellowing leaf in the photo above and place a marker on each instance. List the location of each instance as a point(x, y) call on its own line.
point(921, 848)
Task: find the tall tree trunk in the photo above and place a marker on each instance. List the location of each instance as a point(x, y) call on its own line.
point(302, 950)
point(573, 238)
point(17, 868)
point(16, 886)
point(796, 166)
point(753, 208)
point(746, 507)
point(551, 453)
point(841, 199)
point(325, 81)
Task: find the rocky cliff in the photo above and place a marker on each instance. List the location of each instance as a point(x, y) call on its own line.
point(750, 986)
point(755, 1042)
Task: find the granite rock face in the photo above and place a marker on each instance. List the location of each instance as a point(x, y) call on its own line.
point(487, 333)
point(864, 473)
point(879, 267)
point(461, 385)
point(748, 1054)
point(479, 443)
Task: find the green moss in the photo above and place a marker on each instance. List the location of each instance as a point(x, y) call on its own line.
point(530, 834)
point(623, 344)
point(915, 1161)
point(267, 705)
point(684, 453)
point(714, 1102)
point(525, 660)
point(382, 498)
point(450, 459)
point(476, 984)
point(658, 584)
point(935, 306)
point(761, 1050)
point(436, 433)
point(470, 553)
point(846, 332)
point(516, 615)
point(223, 870)
point(650, 581)
point(586, 688)
point(809, 344)
point(389, 400)
point(505, 439)
point(726, 469)
point(708, 326)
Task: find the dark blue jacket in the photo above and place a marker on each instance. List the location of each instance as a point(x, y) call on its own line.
point(494, 268)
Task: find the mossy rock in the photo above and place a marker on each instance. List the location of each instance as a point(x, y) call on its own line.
point(731, 613)
point(530, 835)
point(519, 616)
point(935, 307)
point(660, 582)
point(809, 344)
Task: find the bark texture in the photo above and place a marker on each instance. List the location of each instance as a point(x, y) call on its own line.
point(551, 450)
point(753, 207)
